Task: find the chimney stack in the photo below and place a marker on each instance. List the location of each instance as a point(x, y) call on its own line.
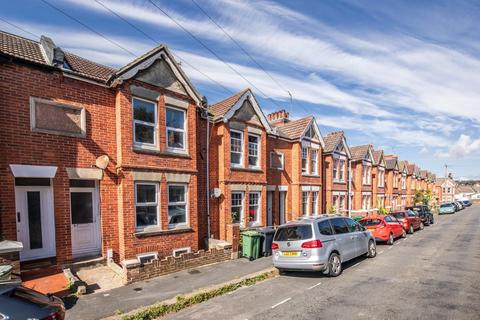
point(279, 118)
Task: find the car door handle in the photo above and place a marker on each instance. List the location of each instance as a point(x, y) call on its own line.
point(18, 216)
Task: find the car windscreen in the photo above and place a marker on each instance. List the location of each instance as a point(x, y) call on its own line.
point(294, 233)
point(446, 205)
point(398, 215)
point(370, 222)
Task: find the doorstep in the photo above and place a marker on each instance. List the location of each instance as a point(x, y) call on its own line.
point(56, 284)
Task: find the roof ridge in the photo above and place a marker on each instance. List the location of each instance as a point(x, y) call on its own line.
point(19, 36)
point(239, 93)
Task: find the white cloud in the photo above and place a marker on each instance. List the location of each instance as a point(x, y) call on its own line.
point(463, 147)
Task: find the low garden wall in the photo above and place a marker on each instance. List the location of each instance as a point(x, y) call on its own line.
point(134, 271)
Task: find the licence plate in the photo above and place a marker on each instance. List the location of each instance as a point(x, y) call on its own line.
point(291, 253)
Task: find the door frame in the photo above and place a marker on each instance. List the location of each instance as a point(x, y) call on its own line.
point(48, 233)
point(96, 218)
point(270, 208)
point(281, 206)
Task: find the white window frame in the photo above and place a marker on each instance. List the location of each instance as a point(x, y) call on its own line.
point(184, 131)
point(147, 204)
point(335, 169)
point(146, 255)
point(257, 166)
point(155, 125)
point(381, 177)
point(341, 202)
point(314, 202)
point(304, 156)
point(305, 204)
point(341, 170)
point(314, 161)
point(242, 206)
point(187, 216)
point(259, 208)
point(242, 151)
point(175, 251)
point(282, 159)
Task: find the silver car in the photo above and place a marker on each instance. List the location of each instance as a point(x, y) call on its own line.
point(320, 244)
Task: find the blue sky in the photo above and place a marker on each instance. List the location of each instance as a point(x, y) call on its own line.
point(402, 75)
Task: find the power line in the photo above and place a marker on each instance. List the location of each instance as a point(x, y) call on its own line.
point(157, 42)
point(211, 51)
point(89, 28)
point(239, 46)
point(20, 28)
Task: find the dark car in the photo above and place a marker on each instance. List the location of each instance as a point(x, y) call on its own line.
point(457, 205)
point(424, 213)
point(466, 203)
point(17, 302)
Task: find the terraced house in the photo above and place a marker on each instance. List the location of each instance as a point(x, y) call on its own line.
point(403, 183)
point(96, 161)
point(337, 177)
point(378, 178)
point(392, 182)
point(411, 183)
point(362, 164)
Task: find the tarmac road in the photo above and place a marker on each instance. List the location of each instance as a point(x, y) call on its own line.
point(432, 274)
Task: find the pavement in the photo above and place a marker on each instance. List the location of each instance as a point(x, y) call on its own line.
point(126, 298)
point(56, 284)
point(432, 274)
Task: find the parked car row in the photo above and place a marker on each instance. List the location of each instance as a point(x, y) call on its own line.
point(324, 242)
point(452, 207)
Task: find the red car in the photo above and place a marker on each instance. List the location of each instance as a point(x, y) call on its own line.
point(409, 220)
point(384, 228)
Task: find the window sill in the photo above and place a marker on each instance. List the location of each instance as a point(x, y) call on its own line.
point(246, 169)
point(311, 175)
point(338, 181)
point(159, 232)
point(161, 153)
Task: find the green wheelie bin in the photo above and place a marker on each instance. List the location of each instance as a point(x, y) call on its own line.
point(251, 244)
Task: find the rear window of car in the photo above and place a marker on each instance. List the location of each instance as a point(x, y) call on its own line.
point(370, 222)
point(398, 215)
point(325, 228)
point(294, 232)
point(339, 225)
point(411, 213)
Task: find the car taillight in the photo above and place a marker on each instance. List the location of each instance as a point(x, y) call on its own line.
point(274, 246)
point(312, 244)
point(53, 316)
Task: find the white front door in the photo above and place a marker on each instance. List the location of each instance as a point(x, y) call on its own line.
point(282, 206)
point(35, 221)
point(85, 222)
point(269, 208)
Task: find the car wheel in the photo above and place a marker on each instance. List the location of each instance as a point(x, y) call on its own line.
point(411, 229)
point(334, 265)
point(422, 226)
point(390, 239)
point(372, 249)
point(404, 234)
point(281, 271)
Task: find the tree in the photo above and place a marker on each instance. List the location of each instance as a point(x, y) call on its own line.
point(418, 197)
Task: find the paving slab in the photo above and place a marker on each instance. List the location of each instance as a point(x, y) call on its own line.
point(144, 293)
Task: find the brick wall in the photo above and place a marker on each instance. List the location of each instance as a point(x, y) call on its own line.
point(155, 268)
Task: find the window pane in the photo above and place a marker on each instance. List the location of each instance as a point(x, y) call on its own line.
point(236, 158)
point(32, 181)
point(276, 160)
point(146, 193)
point(144, 133)
point(75, 183)
point(175, 119)
point(236, 214)
point(177, 214)
point(352, 226)
point(339, 225)
point(175, 139)
point(176, 194)
point(236, 207)
point(34, 219)
point(146, 216)
point(82, 207)
point(325, 228)
point(143, 111)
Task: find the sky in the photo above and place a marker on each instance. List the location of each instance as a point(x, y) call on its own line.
point(401, 75)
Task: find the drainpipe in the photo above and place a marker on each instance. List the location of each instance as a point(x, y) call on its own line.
point(205, 109)
point(349, 186)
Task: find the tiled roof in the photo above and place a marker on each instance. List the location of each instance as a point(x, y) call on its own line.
point(294, 129)
point(88, 68)
point(377, 155)
point(423, 174)
point(401, 165)
point(332, 140)
point(359, 152)
point(464, 189)
point(32, 51)
point(20, 47)
point(390, 162)
point(220, 108)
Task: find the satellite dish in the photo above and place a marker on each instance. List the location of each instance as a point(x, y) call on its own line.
point(102, 162)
